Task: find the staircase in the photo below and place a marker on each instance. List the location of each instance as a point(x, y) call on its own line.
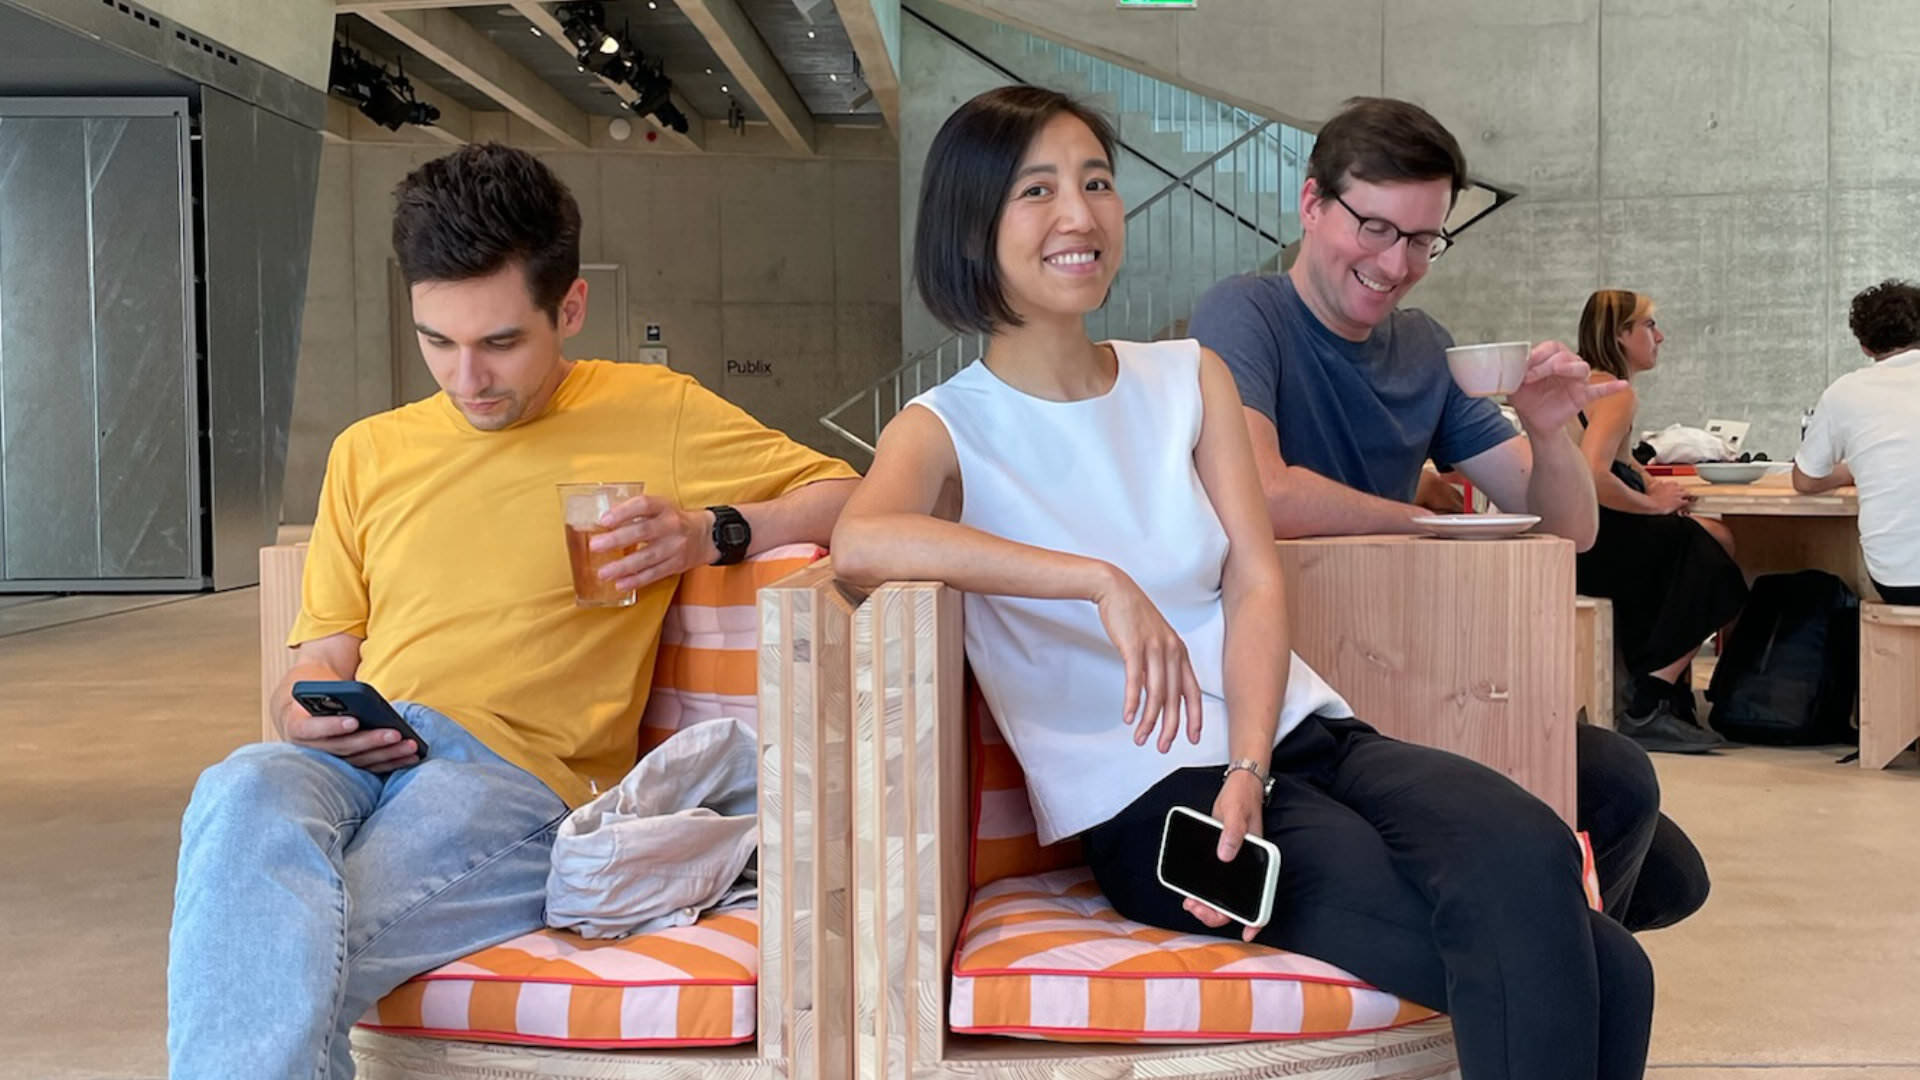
point(1224, 187)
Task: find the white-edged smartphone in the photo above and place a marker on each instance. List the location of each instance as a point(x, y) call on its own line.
point(1190, 865)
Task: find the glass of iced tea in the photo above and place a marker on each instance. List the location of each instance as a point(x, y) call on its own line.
point(582, 505)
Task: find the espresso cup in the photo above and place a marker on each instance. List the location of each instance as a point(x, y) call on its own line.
point(1487, 370)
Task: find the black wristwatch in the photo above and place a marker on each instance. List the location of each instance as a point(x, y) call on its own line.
point(731, 535)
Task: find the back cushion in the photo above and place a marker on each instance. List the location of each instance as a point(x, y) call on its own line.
point(710, 644)
point(1006, 842)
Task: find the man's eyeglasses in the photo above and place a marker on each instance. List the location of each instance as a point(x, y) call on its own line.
point(1378, 234)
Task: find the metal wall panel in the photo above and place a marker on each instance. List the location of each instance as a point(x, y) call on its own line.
point(260, 173)
point(97, 399)
point(286, 238)
point(233, 202)
point(121, 45)
point(141, 306)
point(47, 360)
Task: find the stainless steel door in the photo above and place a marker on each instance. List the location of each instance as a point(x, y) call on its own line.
point(99, 459)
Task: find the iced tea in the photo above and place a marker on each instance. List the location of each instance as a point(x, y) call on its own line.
point(582, 505)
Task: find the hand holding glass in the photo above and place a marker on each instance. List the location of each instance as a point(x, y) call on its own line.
point(583, 505)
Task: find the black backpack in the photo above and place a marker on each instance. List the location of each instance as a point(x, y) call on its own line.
point(1791, 667)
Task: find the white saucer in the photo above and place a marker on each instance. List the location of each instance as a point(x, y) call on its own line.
point(1477, 526)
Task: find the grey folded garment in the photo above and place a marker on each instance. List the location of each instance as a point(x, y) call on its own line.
point(675, 839)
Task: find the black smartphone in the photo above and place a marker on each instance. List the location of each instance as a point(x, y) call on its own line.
point(1190, 865)
point(356, 699)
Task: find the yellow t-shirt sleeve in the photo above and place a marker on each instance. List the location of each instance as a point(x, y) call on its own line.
point(723, 456)
point(333, 588)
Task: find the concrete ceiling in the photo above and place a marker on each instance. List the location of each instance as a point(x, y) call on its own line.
point(821, 68)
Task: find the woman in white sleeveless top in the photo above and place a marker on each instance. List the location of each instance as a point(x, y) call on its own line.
point(1098, 504)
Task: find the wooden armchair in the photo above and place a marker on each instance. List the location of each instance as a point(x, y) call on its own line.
point(802, 1004)
point(1464, 645)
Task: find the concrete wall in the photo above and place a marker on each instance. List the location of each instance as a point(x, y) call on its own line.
point(1749, 163)
point(1248, 52)
point(294, 36)
point(737, 258)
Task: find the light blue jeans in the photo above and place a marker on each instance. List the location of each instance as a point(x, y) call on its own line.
point(309, 888)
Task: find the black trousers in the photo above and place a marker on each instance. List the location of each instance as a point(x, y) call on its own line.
point(1651, 875)
point(1433, 878)
point(1903, 595)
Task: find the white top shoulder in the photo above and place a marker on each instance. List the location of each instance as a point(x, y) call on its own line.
point(1111, 477)
point(1869, 420)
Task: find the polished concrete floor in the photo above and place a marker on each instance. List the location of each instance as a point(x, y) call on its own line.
point(1805, 964)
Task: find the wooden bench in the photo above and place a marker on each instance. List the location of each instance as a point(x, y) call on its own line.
point(1889, 682)
point(1593, 659)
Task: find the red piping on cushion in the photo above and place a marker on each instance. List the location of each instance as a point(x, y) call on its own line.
point(1188, 1036)
point(1241, 976)
point(511, 1039)
point(455, 976)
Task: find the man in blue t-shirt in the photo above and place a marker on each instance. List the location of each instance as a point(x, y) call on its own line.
point(1347, 396)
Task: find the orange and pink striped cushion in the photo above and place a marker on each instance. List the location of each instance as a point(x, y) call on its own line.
point(685, 986)
point(710, 644)
point(1006, 840)
point(1046, 957)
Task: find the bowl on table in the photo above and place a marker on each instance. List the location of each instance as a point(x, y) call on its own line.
point(1731, 472)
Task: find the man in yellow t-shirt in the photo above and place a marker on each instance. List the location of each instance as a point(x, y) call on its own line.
point(319, 873)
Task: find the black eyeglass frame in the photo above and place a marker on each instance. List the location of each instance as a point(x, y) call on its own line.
point(1436, 247)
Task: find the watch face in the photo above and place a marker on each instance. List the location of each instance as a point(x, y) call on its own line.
point(733, 533)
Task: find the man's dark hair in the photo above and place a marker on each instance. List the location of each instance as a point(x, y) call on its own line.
point(481, 207)
point(1885, 318)
point(969, 169)
point(1383, 140)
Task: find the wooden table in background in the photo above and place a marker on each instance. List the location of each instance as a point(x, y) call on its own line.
point(1777, 530)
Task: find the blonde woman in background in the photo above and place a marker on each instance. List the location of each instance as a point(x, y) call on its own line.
point(1671, 576)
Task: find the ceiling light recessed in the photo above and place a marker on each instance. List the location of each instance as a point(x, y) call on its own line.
point(536, 31)
point(809, 34)
point(651, 6)
point(709, 71)
point(831, 77)
point(724, 90)
point(610, 45)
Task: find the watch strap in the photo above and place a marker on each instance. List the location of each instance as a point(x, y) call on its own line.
point(731, 535)
point(1254, 767)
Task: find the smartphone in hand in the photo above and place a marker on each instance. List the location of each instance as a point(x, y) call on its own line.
point(344, 697)
point(1190, 865)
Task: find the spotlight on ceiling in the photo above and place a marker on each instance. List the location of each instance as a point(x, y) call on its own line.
point(386, 99)
point(615, 58)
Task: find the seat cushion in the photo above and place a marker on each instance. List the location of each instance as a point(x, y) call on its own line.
point(686, 986)
point(1045, 956)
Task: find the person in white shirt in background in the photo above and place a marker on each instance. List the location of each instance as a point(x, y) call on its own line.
point(1866, 432)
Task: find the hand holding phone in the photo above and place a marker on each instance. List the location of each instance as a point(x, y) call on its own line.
point(363, 728)
point(1240, 889)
